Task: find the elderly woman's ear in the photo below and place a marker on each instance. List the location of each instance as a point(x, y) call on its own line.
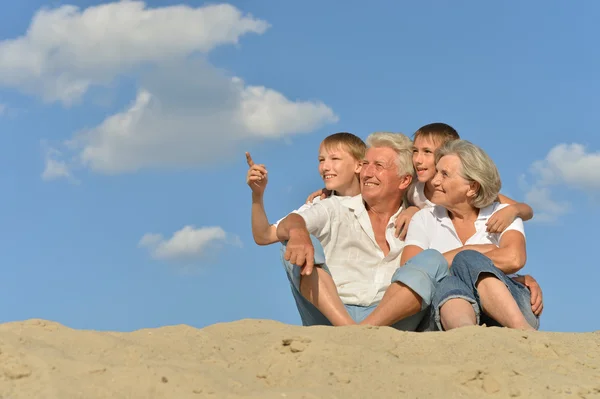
point(473, 189)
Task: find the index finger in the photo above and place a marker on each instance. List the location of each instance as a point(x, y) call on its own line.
point(310, 262)
point(249, 159)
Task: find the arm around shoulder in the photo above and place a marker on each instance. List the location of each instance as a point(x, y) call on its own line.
point(522, 210)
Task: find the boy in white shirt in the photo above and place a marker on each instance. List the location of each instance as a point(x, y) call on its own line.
point(340, 159)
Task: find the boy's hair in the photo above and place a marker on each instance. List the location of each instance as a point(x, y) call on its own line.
point(438, 132)
point(353, 144)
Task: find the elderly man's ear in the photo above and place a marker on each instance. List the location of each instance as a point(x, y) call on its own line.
point(405, 182)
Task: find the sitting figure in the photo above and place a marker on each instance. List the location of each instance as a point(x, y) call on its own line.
point(479, 288)
point(353, 276)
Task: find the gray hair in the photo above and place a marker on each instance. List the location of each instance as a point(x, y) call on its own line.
point(398, 142)
point(477, 166)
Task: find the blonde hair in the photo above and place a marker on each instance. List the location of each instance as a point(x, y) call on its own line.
point(353, 144)
point(398, 142)
point(477, 166)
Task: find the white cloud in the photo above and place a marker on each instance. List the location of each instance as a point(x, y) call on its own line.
point(66, 49)
point(569, 166)
point(55, 168)
point(546, 209)
point(192, 114)
point(186, 112)
point(189, 243)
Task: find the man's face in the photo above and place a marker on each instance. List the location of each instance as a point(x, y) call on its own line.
point(379, 175)
point(338, 168)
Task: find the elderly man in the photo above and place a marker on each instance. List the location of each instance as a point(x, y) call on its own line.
point(351, 275)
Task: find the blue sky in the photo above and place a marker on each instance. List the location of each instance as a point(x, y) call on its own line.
point(126, 123)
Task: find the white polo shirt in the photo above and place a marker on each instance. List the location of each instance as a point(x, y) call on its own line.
point(357, 264)
point(431, 228)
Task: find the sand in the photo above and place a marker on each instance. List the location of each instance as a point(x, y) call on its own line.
point(267, 359)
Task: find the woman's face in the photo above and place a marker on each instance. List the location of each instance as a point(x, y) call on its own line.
point(450, 188)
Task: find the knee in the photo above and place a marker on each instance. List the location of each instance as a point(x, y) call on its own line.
point(432, 262)
point(467, 262)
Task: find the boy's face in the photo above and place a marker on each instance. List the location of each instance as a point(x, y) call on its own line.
point(424, 157)
point(337, 167)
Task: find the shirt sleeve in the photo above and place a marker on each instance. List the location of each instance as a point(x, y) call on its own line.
point(516, 225)
point(302, 208)
point(417, 230)
point(317, 218)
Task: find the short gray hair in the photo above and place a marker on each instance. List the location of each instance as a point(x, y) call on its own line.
point(398, 142)
point(478, 167)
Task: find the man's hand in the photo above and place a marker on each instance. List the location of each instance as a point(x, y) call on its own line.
point(300, 251)
point(323, 193)
point(403, 220)
point(501, 219)
point(256, 177)
point(537, 300)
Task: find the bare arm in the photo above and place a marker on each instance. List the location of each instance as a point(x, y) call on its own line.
point(256, 178)
point(299, 249)
point(263, 232)
point(292, 222)
point(522, 210)
point(511, 254)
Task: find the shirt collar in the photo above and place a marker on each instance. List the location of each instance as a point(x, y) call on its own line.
point(357, 204)
point(441, 213)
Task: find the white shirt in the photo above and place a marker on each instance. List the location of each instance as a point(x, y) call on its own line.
point(357, 264)
point(416, 196)
point(306, 206)
point(432, 228)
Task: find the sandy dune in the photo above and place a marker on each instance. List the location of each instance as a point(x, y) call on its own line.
point(266, 359)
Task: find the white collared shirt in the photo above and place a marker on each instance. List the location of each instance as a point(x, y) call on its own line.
point(416, 196)
point(431, 228)
point(357, 264)
point(305, 206)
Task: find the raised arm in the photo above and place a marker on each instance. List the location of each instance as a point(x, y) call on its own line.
point(262, 231)
point(501, 219)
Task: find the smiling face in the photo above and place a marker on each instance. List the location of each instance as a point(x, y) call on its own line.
point(424, 157)
point(338, 169)
point(450, 187)
point(379, 175)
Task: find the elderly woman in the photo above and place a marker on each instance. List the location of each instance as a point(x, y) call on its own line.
point(479, 288)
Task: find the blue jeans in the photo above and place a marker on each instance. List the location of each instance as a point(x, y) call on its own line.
point(421, 274)
point(466, 268)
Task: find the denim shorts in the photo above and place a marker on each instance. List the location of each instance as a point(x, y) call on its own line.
point(421, 274)
point(461, 283)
